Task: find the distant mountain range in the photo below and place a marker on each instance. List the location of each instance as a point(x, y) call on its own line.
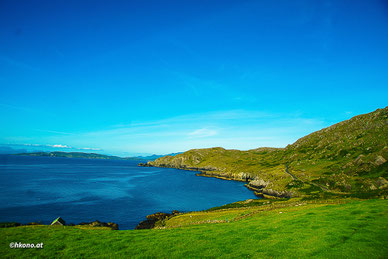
point(90, 155)
point(9, 150)
point(153, 157)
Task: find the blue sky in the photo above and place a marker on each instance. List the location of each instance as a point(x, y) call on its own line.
point(143, 77)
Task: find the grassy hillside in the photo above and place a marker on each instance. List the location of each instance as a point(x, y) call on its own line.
point(348, 158)
point(342, 228)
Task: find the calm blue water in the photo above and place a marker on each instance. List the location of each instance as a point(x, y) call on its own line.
point(80, 190)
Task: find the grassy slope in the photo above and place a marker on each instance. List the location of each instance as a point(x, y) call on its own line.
point(333, 229)
point(348, 157)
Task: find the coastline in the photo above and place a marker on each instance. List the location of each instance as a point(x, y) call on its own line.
point(258, 190)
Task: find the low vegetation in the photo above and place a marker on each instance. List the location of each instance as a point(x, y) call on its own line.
point(336, 228)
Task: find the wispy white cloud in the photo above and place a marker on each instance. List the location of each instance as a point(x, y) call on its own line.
point(90, 148)
point(54, 131)
point(202, 133)
point(59, 145)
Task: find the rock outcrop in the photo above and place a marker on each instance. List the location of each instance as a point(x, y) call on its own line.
point(155, 218)
point(97, 223)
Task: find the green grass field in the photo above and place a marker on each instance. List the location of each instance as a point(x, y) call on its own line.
point(295, 228)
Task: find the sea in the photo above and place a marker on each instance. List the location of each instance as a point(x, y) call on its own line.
point(40, 189)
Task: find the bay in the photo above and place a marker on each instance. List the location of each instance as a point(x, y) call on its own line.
point(40, 189)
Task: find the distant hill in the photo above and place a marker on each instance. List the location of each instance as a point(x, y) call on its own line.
point(348, 158)
point(71, 155)
point(9, 150)
point(153, 157)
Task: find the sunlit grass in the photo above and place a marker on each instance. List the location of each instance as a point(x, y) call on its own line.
point(354, 229)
